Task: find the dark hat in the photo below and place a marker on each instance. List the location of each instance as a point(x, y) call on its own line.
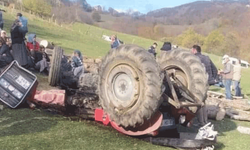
point(155, 44)
point(166, 46)
point(19, 14)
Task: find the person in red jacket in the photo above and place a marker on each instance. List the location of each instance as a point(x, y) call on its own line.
point(33, 45)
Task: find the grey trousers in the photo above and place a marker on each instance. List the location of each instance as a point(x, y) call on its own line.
point(41, 65)
point(202, 115)
point(78, 70)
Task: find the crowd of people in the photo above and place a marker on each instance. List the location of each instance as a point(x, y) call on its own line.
point(230, 75)
point(28, 53)
point(223, 78)
point(32, 56)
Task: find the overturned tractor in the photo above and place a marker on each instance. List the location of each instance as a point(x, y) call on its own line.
point(138, 94)
point(132, 85)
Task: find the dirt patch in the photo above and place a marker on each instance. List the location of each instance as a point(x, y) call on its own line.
point(43, 83)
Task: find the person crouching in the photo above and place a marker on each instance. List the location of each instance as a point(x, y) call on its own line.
point(5, 55)
point(77, 63)
point(42, 61)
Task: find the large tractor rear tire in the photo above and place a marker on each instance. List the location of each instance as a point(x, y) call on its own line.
point(130, 85)
point(188, 69)
point(55, 66)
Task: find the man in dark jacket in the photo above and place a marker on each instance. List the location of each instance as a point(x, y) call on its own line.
point(212, 73)
point(152, 49)
point(209, 65)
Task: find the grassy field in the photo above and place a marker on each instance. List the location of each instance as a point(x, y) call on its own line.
point(23, 129)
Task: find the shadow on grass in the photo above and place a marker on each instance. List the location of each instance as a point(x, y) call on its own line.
point(24, 121)
point(225, 125)
point(219, 146)
point(215, 89)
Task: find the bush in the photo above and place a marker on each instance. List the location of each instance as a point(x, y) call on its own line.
point(96, 16)
point(189, 37)
point(214, 42)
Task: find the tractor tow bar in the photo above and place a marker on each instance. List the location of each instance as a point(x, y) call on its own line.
point(174, 83)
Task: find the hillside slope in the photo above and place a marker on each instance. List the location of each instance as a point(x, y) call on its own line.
point(84, 37)
point(200, 12)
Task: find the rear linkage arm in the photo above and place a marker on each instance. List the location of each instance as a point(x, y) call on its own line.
point(173, 83)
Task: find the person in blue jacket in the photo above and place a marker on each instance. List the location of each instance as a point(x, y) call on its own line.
point(115, 42)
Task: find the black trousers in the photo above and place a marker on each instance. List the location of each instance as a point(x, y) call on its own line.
point(1, 26)
point(3, 63)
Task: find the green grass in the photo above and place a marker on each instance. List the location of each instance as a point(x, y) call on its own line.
point(24, 129)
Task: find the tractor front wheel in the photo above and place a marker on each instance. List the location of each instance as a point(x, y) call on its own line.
point(130, 85)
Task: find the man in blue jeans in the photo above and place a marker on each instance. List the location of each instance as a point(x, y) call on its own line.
point(227, 76)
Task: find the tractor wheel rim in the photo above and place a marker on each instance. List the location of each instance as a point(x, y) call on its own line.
point(123, 87)
point(182, 77)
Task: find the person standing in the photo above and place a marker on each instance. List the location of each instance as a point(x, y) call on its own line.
point(209, 65)
point(152, 49)
point(18, 46)
point(212, 72)
point(237, 77)
point(23, 28)
point(1, 19)
point(227, 76)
